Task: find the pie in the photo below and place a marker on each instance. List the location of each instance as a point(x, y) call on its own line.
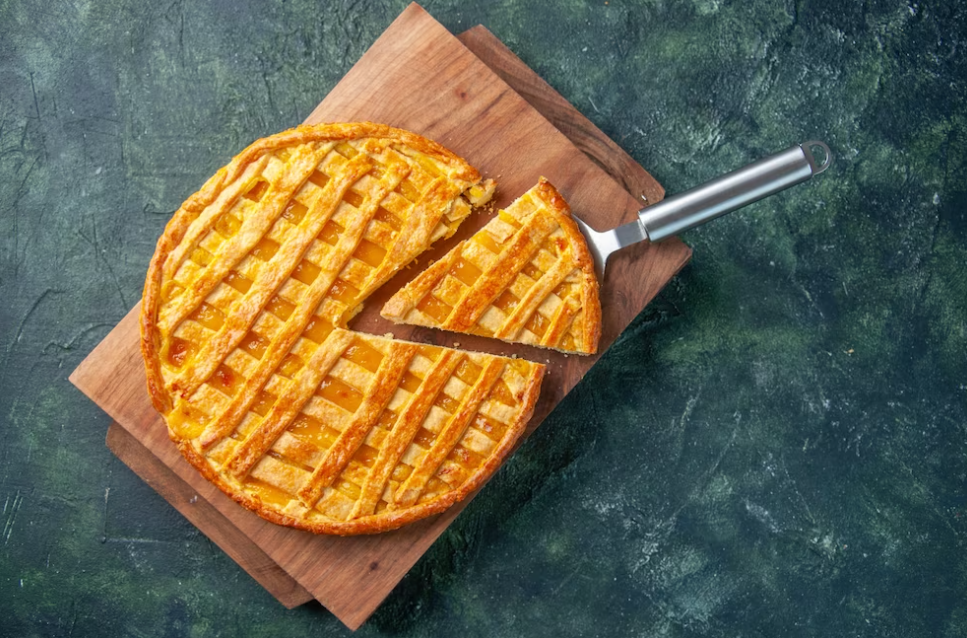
point(525, 277)
point(248, 358)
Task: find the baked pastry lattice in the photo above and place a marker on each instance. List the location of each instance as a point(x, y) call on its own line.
point(526, 277)
point(248, 359)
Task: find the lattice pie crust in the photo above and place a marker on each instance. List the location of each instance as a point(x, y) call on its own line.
point(248, 358)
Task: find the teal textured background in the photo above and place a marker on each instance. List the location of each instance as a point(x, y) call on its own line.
point(775, 447)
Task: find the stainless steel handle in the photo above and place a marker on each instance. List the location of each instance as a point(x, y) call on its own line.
point(734, 190)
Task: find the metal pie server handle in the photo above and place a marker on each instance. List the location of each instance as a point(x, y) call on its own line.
point(732, 191)
point(710, 200)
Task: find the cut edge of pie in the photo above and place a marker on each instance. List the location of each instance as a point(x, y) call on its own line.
point(224, 389)
point(526, 277)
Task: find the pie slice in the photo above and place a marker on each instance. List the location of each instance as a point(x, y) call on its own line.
point(525, 277)
point(243, 334)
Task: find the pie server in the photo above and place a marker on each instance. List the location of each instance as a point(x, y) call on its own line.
point(710, 200)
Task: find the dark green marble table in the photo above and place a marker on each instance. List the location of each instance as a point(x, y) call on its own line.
point(775, 447)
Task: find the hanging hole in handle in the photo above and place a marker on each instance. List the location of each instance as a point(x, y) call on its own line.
point(826, 157)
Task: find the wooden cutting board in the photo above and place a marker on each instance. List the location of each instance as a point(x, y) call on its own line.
point(468, 94)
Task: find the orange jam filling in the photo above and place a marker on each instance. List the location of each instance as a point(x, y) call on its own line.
point(319, 178)
point(361, 354)
point(447, 402)
point(257, 191)
point(369, 253)
point(178, 350)
point(227, 225)
point(388, 218)
point(294, 212)
point(208, 316)
point(265, 249)
point(386, 420)
point(306, 272)
point(467, 371)
point(408, 190)
point(366, 455)
point(318, 329)
point(225, 380)
point(465, 272)
point(348, 488)
point(538, 324)
point(344, 292)
point(267, 493)
point(568, 342)
point(254, 344)
point(502, 393)
point(280, 307)
point(201, 256)
point(410, 382)
point(533, 272)
point(506, 302)
point(291, 364)
point(487, 240)
point(424, 438)
point(346, 150)
point(464, 457)
point(338, 393)
point(238, 281)
point(493, 429)
point(330, 232)
point(353, 198)
point(435, 486)
point(263, 403)
point(508, 219)
point(401, 472)
point(187, 421)
point(171, 290)
point(434, 308)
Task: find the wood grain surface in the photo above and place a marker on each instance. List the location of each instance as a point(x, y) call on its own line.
point(417, 76)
